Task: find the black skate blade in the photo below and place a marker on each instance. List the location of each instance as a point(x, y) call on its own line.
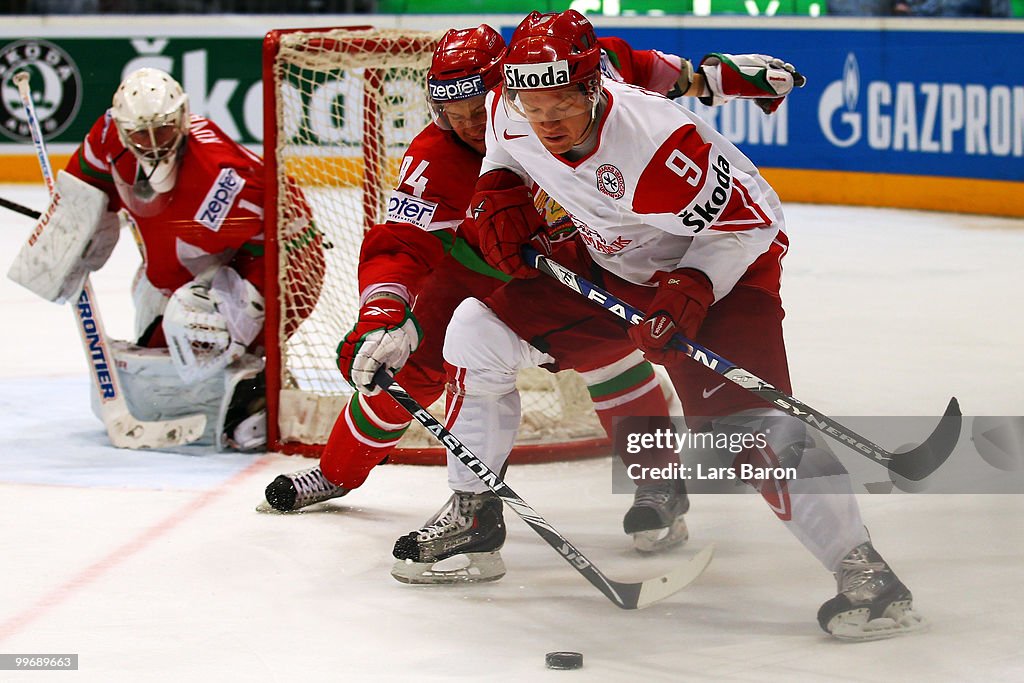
point(918, 463)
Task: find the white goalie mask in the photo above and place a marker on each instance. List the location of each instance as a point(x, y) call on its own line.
point(150, 110)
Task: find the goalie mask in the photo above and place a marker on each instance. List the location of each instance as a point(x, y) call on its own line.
point(465, 66)
point(150, 110)
point(557, 56)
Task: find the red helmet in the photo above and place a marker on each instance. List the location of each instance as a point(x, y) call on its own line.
point(547, 40)
point(465, 65)
point(550, 51)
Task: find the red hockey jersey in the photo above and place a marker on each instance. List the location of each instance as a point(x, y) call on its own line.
point(213, 216)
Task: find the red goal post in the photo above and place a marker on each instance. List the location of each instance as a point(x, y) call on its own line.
point(340, 107)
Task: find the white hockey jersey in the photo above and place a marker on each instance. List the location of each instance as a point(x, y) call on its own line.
point(662, 189)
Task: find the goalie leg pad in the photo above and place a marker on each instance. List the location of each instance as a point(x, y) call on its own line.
point(154, 392)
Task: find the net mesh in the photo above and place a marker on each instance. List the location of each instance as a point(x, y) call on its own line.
point(346, 104)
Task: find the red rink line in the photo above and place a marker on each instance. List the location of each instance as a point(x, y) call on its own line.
point(142, 540)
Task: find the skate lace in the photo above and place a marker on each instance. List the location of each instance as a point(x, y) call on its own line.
point(456, 517)
point(857, 570)
point(312, 482)
point(653, 495)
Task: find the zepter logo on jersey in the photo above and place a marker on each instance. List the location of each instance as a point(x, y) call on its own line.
point(218, 201)
point(56, 88)
point(533, 76)
point(404, 208)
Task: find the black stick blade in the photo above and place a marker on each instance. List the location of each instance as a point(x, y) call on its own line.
point(920, 462)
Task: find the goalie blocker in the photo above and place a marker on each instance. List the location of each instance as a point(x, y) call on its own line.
point(74, 236)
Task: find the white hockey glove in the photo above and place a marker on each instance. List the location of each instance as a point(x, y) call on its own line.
point(765, 79)
point(210, 322)
point(385, 335)
point(75, 236)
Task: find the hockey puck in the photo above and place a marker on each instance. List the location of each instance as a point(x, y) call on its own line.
point(563, 660)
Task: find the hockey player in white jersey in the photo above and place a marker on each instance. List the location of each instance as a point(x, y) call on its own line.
point(676, 220)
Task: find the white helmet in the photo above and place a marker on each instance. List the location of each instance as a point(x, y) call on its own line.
point(150, 110)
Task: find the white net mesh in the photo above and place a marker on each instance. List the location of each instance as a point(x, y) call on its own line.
point(347, 103)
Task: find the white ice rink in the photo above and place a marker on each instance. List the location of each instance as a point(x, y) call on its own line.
point(155, 567)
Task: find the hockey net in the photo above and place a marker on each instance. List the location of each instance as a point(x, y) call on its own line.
point(340, 107)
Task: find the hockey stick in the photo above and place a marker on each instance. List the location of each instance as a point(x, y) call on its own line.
point(624, 595)
point(123, 429)
point(915, 464)
point(18, 208)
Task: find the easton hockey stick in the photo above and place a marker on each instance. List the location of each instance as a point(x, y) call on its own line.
point(915, 464)
point(624, 595)
point(123, 429)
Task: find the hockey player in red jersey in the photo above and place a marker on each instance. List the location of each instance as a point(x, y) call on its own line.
point(415, 269)
point(194, 200)
point(674, 219)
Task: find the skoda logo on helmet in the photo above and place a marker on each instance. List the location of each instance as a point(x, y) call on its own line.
point(56, 88)
point(532, 76)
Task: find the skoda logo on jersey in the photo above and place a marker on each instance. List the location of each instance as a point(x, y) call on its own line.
point(610, 181)
point(530, 76)
point(842, 96)
point(55, 82)
point(459, 89)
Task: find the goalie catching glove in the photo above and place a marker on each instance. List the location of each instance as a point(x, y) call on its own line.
point(765, 79)
point(507, 219)
point(680, 305)
point(210, 322)
point(385, 335)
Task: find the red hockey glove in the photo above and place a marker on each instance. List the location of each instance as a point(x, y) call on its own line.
point(765, 79)
point(506, 219)
point(385, 334)
point(679, 307)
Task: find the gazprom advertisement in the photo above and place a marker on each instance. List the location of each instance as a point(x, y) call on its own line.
point(904, 99)
point(906, 102)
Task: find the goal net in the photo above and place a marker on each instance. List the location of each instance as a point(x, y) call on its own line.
point(340, 107)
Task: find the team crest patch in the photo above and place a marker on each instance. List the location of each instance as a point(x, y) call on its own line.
point(610, 181)
point(55, 82)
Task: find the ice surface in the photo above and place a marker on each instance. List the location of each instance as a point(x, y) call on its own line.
point(154, 566)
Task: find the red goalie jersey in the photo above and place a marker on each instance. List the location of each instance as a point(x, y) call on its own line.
point(213, 215)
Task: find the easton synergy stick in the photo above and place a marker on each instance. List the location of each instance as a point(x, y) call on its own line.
point(124, 430)
point(915, 464)
point(625, 595)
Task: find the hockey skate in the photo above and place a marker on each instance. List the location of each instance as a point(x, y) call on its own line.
point(289, 492)
point(469, 528)
point(656, 518)
point(872, 603)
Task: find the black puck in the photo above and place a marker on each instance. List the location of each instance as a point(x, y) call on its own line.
point(563, 660)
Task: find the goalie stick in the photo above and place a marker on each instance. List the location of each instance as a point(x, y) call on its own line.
point(624, 595)
point(123, 429)
point(915, 464)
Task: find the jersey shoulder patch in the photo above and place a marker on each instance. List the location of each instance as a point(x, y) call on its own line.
point(219, 199)
point(405, 208)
